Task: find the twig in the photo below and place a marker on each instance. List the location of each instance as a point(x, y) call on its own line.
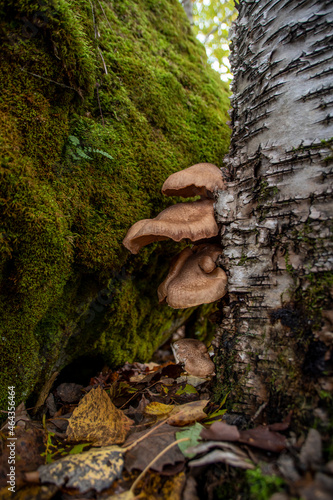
point(105, 68)
point(48, 80)
point(99, 104)
point(137, 393)
point(137, 441)
point(101, 6)
point(260, 409)
point(93, 15)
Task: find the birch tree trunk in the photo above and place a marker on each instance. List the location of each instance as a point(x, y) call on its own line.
point(275, 339)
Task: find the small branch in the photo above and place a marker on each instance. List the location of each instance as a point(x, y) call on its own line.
point(137, 441)
point(93, 15)
point(105, 68)
point(48, 80)
point(99, 104)
point(260, 409)
point(101, 6)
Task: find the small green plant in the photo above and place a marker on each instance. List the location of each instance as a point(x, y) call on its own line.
point(76, 151)
point(217, 414)
point(262, 487)
point(55, 450)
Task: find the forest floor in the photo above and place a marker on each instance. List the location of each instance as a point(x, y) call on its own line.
point(150, 431)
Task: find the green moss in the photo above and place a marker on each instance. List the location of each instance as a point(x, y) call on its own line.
point(263, 486)
point(314, 295)
point(143, 94)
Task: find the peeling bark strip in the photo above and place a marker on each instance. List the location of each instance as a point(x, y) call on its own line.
point(276, 212)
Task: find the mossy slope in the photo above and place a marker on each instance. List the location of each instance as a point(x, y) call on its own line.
point(82, 82)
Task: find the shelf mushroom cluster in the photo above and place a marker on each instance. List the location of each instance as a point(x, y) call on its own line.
point(194, 277)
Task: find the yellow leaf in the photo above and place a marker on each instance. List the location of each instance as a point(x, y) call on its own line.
point(98, 421)
point(188, 413)
point(158, 409)
point(94, 469)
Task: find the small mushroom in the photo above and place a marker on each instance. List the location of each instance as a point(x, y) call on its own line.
point(193, 220)
point(193, 354)
point(194, 278)
point(200, 179)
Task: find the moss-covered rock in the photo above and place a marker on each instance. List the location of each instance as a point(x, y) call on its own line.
point(100, 102)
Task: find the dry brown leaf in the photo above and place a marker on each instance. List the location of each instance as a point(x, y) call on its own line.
point(262, 437)
point(220, 431)
point(189, 413)
point(145, 451)
point(97, 420)
point(29, 445)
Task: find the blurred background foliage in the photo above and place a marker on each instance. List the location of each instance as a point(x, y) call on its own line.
point(211, 21)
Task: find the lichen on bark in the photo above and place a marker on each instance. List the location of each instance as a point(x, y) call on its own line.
point(126, 80)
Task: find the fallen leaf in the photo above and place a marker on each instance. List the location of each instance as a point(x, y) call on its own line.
point(188, 413)
point(35, 492)
point(69, 392)
point(226, 457)
point(137, 378)
point(188, 389)
point(205, 446)
point(21, 416)
point(98, 421)
point(94, 469)
point(132, 489)
point(145, 451)
point(321, 488)
point(282, 426)
point(158, 409)
point(137, 413)
point(171, 489)
point(262, 437)
point(193, 433)
point(220, 431)
point(60, 424)
point(171, 371)
point(29, 444)
point(311, 452)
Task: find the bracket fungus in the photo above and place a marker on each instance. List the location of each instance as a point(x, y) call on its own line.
point(194, 278)
point(194, 355)
point(193, 220)
point(200, 179)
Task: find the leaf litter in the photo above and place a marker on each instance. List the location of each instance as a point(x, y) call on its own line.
point(143, 430)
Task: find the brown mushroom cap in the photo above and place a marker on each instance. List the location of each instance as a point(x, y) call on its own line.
point(200, 179)
point(195, 357)
point(193, 220)
point(194, 279)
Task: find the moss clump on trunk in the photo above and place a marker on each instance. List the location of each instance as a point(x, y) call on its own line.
point(83, 82)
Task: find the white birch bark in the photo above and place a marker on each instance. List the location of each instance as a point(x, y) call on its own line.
point(276, 212)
